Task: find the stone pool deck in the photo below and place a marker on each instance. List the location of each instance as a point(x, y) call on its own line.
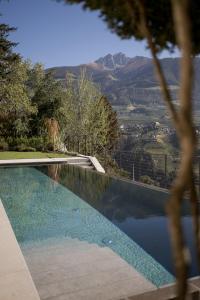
point(10, 162)
point(75, 269)
point(169, 292)
point(15, 280)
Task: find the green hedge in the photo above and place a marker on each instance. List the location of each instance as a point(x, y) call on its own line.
point(25, 144)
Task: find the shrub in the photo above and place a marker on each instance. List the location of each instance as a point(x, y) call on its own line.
point(28, 149)
point(3, 145)
point(14, 143)
point(11, 142)
point(21, 141)
point(38, 143)
point(111, 166)
point(147, 179)
point(50, 147)
point(24, 148)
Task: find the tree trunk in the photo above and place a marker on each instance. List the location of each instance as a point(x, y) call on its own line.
point(185, 177)
point(183, 121)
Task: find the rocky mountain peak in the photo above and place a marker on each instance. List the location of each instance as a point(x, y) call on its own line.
point(113, 61)
point(121, 59)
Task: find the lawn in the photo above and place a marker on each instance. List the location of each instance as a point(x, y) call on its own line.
point(27, 155)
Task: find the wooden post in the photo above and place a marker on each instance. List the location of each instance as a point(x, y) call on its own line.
point(133, 172)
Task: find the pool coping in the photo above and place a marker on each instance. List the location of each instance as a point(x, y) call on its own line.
point(16, 282)
point(169, 292)
point(22, 161)
point(94, 161)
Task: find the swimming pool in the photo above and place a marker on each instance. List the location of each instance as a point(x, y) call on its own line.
point(60, 201)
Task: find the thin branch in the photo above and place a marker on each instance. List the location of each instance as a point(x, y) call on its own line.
point(183, 32)
point(184, 127)
point(187, 137)
point(160, 74)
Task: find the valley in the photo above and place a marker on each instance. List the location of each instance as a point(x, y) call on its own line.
point(131, 85)
point(132, 89)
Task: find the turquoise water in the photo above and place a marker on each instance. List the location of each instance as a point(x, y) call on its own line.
point(40, 208)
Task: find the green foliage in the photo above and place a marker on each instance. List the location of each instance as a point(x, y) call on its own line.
point(147, 179)
point(36, 75)
point(24, 148)
point(15, 105)
point(38, 143)
point(107, 126)
point(3, 145)
point(48, 98)
point(8, 58)
point(26, 155)
point(110, 165)
point(31, 98)
point(89, 116)
point(27, 94)
point(80, 97)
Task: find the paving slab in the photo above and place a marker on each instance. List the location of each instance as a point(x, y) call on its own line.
point(15, 279)
point(34, 160)
point(195, 281)
point(79, 270)
point(168, 293)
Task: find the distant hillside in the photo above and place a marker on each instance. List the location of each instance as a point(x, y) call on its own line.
point(128, 80)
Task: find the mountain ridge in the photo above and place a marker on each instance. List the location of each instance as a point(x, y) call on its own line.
point(125, 80)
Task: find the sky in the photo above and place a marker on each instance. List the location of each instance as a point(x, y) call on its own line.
point(62, 35)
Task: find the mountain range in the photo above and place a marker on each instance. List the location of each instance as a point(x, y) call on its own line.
point(125, 80)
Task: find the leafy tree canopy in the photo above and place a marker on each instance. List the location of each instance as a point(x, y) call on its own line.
point(88, 114)
point(32, 102)
point(15, 105)
point(7, 57)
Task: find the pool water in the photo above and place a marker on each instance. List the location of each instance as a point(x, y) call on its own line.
point(60, 201)
point(137, 210)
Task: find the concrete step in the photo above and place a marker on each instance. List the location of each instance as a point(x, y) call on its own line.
point(77, 159)
point(83, 166)
point(87, 167)
point(82, 163)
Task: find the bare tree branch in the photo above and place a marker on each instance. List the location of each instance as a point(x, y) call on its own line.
point(160, 74)
point(184, 125)
point(187, 142)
